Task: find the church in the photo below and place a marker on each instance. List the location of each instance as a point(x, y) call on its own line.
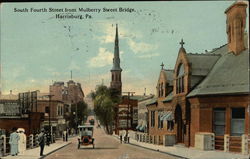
point(206, 94)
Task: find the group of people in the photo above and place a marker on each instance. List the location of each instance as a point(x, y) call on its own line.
point(125, 136)
point(17, 141)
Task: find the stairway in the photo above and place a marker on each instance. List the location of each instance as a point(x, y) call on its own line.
point(235, 144)
point(219, 142)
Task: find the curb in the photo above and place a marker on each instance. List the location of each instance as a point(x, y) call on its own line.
point(54, 150)
point(156, 150)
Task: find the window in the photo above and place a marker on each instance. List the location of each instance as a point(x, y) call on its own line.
point(166, 86)
point(180, 79)
point(112, 77)
point(152, 118)
point(58, 110)
point(162, 89)
point(160, 122)
point(159, 90)
point(219, 121)
point(170, 125)
point(238, 121)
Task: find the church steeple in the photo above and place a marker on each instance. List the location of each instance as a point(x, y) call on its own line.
point(116, 70)
point(116, 59)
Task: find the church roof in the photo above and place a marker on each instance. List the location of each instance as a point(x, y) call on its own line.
point(168, 98)
point(229, 75)
point(201, 64)
point(169, 74)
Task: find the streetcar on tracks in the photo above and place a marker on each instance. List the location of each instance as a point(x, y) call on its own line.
point(86, 135)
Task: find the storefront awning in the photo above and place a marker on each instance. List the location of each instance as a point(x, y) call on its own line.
point(167, 116)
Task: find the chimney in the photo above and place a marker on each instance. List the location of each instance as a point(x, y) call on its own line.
point(236, 23)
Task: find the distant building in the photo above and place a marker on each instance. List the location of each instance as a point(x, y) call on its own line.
point(70, 94)
point(127, 114)
point(143, 112)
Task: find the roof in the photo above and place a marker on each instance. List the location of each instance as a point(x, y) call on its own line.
point(141, 97)
point(168, 98)
point(169, 74)
point(229, 75)
point(201, 64)
point(152, 101)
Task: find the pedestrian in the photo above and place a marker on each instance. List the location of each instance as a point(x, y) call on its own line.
point(124, 137)
point(14, 138)
point(48, 138)
point(121, 138)
point(22, 141)
point(128, 137)
point(41, 140)
point(63, 136)
point(66, 135)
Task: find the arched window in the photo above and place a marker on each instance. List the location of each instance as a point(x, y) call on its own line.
point(112, 77)
point(166, 87)
point(159, 90)
point(180, 79)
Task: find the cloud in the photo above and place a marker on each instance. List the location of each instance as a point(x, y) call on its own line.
point(109, 33)
point(103, 58)
point(141, 47)
point(149, 55)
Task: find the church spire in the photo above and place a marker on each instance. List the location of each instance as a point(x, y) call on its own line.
point(116, 71)
point(116, 59)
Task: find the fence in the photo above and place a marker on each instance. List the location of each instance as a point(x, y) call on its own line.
point(31, 142)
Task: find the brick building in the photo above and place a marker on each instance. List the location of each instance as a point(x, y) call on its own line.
point(70, 94)
point(56, 110)
point(206, 93)
point(12, 115)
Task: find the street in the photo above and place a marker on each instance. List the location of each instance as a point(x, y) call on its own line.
point(106, 147)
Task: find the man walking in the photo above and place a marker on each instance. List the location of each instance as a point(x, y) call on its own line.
point(121, 138)
point(41, 140)
point(128, 137)
point(14, 138)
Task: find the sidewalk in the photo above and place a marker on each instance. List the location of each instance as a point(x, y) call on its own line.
point(35, 152)
point(190, 153)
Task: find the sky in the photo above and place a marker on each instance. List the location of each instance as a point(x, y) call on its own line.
point(38, 49)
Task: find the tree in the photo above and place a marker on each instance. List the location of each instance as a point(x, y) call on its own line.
point(105, 101)
point(78, 114)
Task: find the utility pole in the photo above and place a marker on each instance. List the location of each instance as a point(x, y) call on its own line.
point(129, 111)
point(50, 95)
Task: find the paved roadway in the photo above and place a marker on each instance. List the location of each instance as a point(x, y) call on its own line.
point(106, 147)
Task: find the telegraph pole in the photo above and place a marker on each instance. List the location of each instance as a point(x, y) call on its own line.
point(129, 93)
point(49, 116)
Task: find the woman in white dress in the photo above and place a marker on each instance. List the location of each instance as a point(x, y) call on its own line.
point(22, 141)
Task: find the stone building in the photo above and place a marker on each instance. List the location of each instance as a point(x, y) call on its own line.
point(209, 92)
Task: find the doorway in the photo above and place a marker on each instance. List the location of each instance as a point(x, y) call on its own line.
point(179, 122)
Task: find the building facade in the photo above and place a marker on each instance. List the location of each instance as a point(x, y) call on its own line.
point(53, 114)
point(210, 91)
